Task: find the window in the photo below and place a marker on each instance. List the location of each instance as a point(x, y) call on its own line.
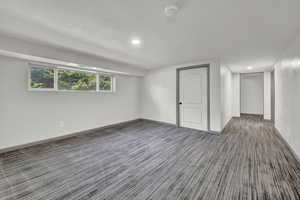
point(76, 80)
point(105, 83)
point(41, 78)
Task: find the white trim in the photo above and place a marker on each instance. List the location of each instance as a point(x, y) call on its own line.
point(97, 83)
point(77, 91)
point(75, 69)
point(55, 79)
point(114, 82)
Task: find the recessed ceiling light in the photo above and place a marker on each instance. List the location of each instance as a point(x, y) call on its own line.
point(136, 42)
point(249, 67)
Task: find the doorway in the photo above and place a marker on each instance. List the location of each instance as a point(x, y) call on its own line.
point(192, 102)
point(252, 93)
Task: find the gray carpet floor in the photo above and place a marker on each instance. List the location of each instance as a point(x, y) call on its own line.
point(149, 160)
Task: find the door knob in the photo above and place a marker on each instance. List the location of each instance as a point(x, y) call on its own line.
point(180, 103)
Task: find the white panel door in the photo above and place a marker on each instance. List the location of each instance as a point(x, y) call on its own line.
point(193, 98)
point(252, 93)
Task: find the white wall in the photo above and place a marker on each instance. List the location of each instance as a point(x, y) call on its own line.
point(236, 95)
point(31, 116)
point(267, 95)
point(226, 95)
point(287, 95)
point(159, 95)
point(252, 93)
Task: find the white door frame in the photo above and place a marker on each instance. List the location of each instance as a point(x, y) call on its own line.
point(178, 92)
point(273, 96)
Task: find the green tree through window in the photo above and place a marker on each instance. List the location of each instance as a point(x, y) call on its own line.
point(76, 80)
point(105, 83)
point(42, 77)
point(69, 79)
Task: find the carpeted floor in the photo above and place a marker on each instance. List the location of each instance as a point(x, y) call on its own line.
point(153, 161)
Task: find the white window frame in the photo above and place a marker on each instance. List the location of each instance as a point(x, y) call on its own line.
point(57, 68)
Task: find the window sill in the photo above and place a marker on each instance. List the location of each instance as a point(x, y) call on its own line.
point(69, 91)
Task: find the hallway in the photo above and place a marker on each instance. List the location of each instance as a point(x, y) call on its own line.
point(150, 160)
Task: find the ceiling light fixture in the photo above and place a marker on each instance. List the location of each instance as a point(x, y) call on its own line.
point(136, 42)
point(171, 10)
point(249, 67)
